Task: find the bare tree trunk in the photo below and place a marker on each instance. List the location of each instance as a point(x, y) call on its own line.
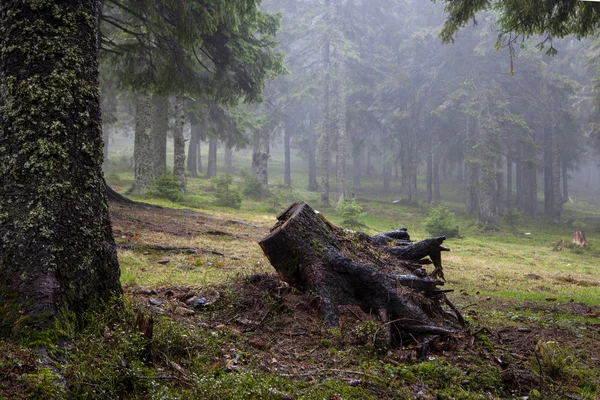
point(509, 183)
point(471, 172)
point(557, 198)
point(211, 168)
point(142, 151)
point(228, 159)
point(325, 125)
point(160, 127)
point(500, 200)
point(179, 144)
point(565, 179)
point(105, 139)
point(192, 158)
point(436, 179)
point(260, 158)
point(357, 156)
point(429, 165)
point(287, 173)
point(341, 132)
point(313, 185)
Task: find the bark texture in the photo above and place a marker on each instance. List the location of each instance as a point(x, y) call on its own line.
point(160, 127)
point(56, 243)
point(179, 144)
point(142, 151)
point(211, 167)
point(352, 268)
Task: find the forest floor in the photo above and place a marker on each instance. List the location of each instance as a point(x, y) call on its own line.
point(226, 327)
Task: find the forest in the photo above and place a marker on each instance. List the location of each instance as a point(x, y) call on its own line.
point(315, 199)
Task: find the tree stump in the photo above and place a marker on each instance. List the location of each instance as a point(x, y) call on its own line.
point(382, 274)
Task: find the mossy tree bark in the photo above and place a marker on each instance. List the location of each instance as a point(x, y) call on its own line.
point(179, 144)
point(381, 274)
point(142, 146)
point(56, 243)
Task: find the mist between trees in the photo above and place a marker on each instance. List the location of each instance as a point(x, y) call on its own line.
point(358, 90)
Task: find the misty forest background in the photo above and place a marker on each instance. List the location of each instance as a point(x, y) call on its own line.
point(370, 104)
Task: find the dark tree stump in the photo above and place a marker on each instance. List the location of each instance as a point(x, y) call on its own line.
point(351, 268)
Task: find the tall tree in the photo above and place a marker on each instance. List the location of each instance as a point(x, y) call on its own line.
point(56, 246)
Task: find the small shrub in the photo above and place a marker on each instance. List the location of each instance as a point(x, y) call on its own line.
point(512, 218)
point(251, 186)
point(225, 196)
point(440, 222)
point(166, 187)
point(351, 213)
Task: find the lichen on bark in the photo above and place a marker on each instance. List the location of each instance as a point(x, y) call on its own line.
point(56, 244)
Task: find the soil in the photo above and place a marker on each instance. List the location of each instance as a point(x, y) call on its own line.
point(284, 333)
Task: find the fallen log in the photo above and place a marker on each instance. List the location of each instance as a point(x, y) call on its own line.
point(350, 268)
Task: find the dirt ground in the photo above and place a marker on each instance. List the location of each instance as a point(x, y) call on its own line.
point(282, 330)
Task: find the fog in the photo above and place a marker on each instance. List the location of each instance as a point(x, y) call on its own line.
point(370, 102)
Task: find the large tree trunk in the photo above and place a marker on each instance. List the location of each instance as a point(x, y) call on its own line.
point(179, 144)
point(142, 147)
point(357, 158)
point(557, 198)
point(349, 268)
point(160, 127)
point(57, 247)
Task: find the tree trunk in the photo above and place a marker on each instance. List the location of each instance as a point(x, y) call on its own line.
point(347, 268)
point(57, 250)
point(357, 157)
point(313, 185)
point(509, 183)
point(287, 134)
point(557, 198)
point(179, 144)
point(429, 172)
point(192, 158)
point(105, 139)
point(160, 127)
point(142, 148)
point(228, 159)
point(325, 136)
point(437, 198)
point(565, 180)
point(260, 158)
point(341, 131)
point(211, 168)
point(500, 189)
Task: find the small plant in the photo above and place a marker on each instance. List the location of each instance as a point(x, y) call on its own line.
point(225, 196)
point(251, 186)
point(440, 222)
point(512, 218)
point(351, 213)
point(166, 187)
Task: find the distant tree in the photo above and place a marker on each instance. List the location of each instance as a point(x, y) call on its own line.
point(56, 246)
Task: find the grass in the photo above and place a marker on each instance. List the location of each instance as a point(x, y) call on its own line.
point(254, 341)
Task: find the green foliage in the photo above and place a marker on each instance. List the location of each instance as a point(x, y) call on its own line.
point(225, 196)
point(440, 222)
point(251, 186)
point(166, 187)
point(351, 213)
point(512, 218)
